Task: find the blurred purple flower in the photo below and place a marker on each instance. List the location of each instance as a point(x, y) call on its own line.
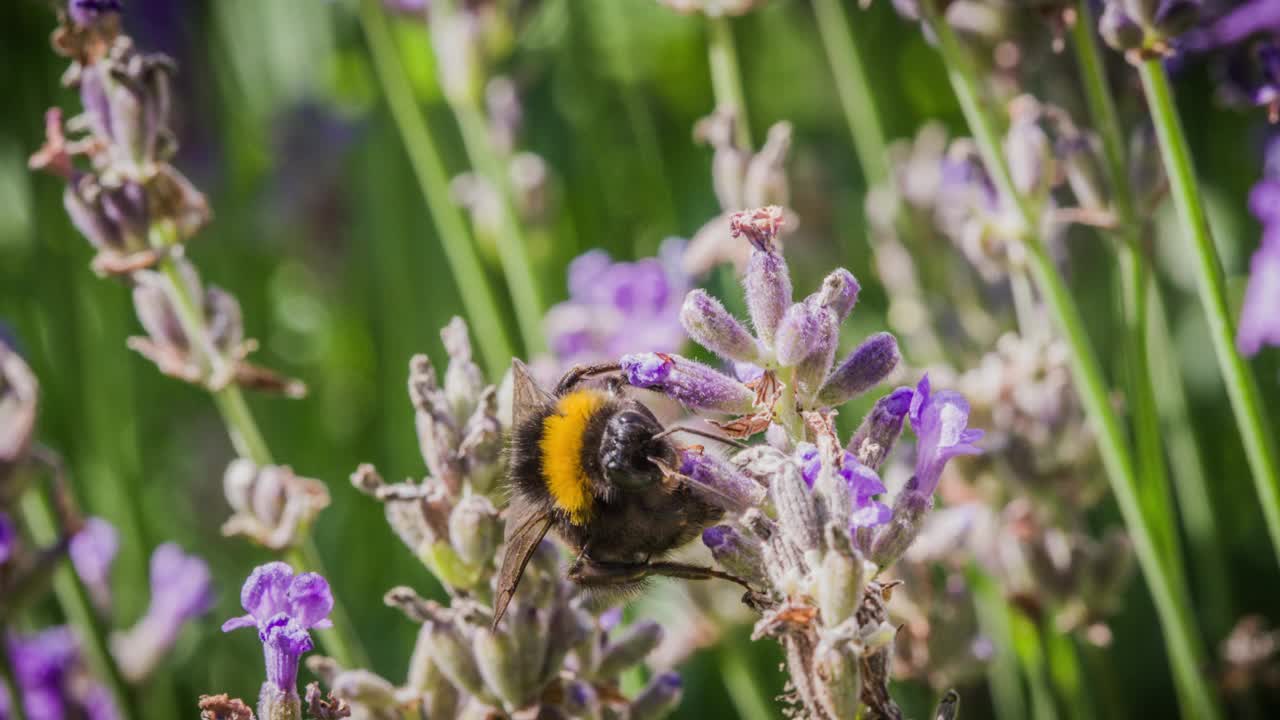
point(181, 590)
point(92, 551)
point(283, 607)
point(88, 12)
point(940, 421)
point(1259, 322)
point(616, 308)
point(8, 538)
point(723, 483)
point(51, 678)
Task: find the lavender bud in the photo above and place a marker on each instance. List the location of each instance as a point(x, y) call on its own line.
point(361, 687)
point(712, 327)
point(802, 331)
point(839, 293)
point(569, 630)
point(797, 513)
point(767, 281)
point(693, 384)
point(720, 482)
point(451, 652)
point(765, 181)
point(893, 538)
point(811, 371)
point(867, 366)
point(581, 700)
point(839, 679)
point(463, 379)
point(881, 428)
point(529, 631)
point(840, 577)
point(499, 664)
point(440, 698)
point(437, 434)
point(93, 550)
point(271, 505)
point(1031, 158)
point(640, 640)
point(658, 699)
point(277, 704)
point(475, 530)
point(455, 38)
point(1121, 31)
point(742, 556)
point(19, 403)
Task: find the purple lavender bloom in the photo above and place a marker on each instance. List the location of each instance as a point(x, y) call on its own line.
point(713, 327)
point(89, 12)
point(940, 421)
point(767, 281)
point(181, 590)
point(864, 368)
point(864, 484)
point(1259, 321)
point(8, 538)
point(92, 551)
point(616, 308)
point(881, 427)
point(721, 482)
point(283, 607)
point(51, 678)
point(697, 386)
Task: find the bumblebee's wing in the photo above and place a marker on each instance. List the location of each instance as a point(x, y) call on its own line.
point(525, 533)
point(526, 397)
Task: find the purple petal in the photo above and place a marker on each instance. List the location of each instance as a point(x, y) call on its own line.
point(266, 591)
point(8, 538)
point(871, 514)
point(236, 623)
point(1259, 315)
point(310, 599)
point(93, 550)
point(810, 461)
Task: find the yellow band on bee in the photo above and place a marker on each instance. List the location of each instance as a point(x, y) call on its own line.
point(561, 444)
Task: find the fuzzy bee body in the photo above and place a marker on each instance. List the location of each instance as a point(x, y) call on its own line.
point(589, 463)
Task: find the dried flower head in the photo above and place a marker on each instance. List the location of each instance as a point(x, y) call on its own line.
point(19, 403)
point(270, 505)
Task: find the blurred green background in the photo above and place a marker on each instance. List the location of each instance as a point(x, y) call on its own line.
point(322, 233)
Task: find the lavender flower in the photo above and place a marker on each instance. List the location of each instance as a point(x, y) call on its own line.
point(283, 607)
point(181, 591)
point(90, 12)
point(616, 308)
point(1259, 322)
point(19, 403)
point(8, 537)
point(271, 504)
point(92, 551)
point(52, 680)
point(767, 281)
point(940, 421)
point(863, 484)
point(864, 368)
point(1146, 27)
point(713, 476)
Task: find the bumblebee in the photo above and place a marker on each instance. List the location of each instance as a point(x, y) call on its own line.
point(596, 466)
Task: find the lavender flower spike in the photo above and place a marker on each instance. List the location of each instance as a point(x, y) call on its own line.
point(881, 427)
point(283, 607)
point(697, 386)
point(181, 590)
point(767, 281)
point(940, 421)
point(92, 551)
point(712, 327)
point(864, 368)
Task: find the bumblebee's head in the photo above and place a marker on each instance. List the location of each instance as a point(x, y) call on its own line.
point(626, 446)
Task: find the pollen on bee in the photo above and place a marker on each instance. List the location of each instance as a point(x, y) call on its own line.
point(561, 446)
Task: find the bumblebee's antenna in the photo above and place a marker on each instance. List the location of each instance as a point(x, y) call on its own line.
point(700, 433)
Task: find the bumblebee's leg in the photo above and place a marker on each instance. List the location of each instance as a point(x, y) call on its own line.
point(581, 372)
point(692, 572)
point(590, 573)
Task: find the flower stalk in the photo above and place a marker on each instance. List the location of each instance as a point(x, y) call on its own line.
point(1136, 285)
point(726, 76)
point(424, 155)
point(1242, 388)
point(854, 91)
point(1186, 651)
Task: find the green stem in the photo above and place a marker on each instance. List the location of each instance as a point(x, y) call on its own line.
point(9, 682)
point(478, 298)
point(1242, 388)
point(247, 439)
point(1032, 654)
point(1002, 669)
point(1135, 282)
point(1066, 673)
point(1186, 651)
point(854, 91)
point(726, 77)
point(1189, 480)
point(513, 247)
point(343, 646)
point(745, 691)
point(72, 596)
